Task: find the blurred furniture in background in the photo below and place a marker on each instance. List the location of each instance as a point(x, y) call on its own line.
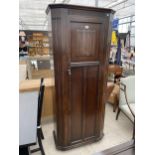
point(127, 98)
point(40, 66)
point(33, 69)
point(116, 72)
point(110, 87)
point(33, 85)
point(38, 43)
point(22, 72)
point(128, 61)
point(28, 106)
point(114, 97)
point(40, 135)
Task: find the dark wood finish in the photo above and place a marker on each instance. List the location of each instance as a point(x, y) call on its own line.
point(84, 44)
point(79, 7)
point(127, 148)
point(81, 42)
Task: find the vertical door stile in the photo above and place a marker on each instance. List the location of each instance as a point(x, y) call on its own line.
point(84, 100)
point(69, 78)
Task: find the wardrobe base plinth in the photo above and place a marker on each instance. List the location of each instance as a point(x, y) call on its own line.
point(75, 145)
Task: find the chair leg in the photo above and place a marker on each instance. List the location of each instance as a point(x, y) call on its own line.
point(41, 133)
point(40, 137)
point(133, 136)
point(118, 113)
point(40, 144)
point(114, 107)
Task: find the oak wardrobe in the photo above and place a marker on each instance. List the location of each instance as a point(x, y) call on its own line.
point(81, 45)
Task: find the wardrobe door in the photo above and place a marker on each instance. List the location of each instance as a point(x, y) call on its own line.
point(84, 101)
point(84, 80)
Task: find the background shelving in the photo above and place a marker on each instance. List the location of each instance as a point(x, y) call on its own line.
point(38, 44)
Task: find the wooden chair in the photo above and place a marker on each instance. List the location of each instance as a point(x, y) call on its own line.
point(127, 98)
point(39, 129)
point(116, 71)
point(114, 97)
point(110, 87)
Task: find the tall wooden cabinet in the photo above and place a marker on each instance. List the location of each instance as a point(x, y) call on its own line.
point(81, 42)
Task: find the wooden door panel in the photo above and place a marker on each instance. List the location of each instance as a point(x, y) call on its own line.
point(76, 103)
point(91, 101)
point(84, 101)
point(84, 45)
